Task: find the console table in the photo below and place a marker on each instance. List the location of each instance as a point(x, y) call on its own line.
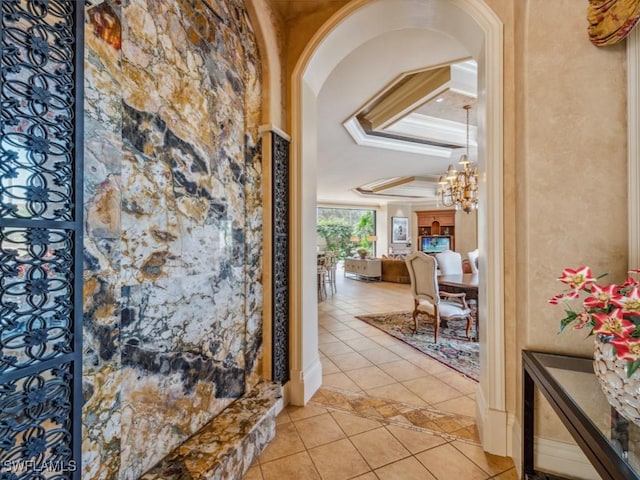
point(363, 267)
point(611, 443)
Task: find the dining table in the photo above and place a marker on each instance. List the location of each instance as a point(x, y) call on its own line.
point(458, 283)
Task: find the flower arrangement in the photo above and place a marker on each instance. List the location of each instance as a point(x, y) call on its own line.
point(612, 311)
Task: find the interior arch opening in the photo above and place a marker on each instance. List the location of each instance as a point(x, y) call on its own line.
point(472, 30)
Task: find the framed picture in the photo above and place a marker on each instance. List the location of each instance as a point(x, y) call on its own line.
point(399, 229)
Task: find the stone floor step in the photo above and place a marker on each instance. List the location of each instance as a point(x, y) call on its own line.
point(225, 448)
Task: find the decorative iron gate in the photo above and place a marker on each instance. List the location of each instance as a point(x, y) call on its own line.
point(280, 175)
point(41, 239)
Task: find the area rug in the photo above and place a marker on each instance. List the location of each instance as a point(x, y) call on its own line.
point(453, 349)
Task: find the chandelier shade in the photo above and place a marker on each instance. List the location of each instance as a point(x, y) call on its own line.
point(459, 188)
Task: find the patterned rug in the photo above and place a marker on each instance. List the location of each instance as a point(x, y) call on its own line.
point(453, 349)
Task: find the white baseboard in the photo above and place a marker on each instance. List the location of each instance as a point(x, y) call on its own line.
point(562, 459)
point(553, 456)
point(492, 426)
point(304, 383)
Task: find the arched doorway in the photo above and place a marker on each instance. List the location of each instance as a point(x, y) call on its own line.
point(477, 27)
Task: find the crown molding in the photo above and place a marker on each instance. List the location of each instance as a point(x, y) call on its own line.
point(362, 138)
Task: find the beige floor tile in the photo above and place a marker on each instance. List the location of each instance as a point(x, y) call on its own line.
point(492, 464)
point(283, 417)
point(335, 348)
point(508, 475)
point(254, 473)
point(379, 447)
point(360, 344)
point(397, 392)
point(328, 366)
point(286, 442)
point(461, 406)
point(380, 355)
point(370, 377)
point(340, 380)
point(367, 330)
point(319, 430)
point(336, 327)
point(406, 352)
point(348, 334)
point(403, 370)
point(385, 339)
point(447, 463)
point(294, 467)
point(415, 441)
point(326, 338)
point(338, 461)
point(430, 365)
point(298, 413)
point(405, 469)
point(459, 382)
point(431, 390)
point(353, 424)
point(367, 476)
point(342, 335)
point(350, 361)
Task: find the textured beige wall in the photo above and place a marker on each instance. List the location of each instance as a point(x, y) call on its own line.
point(466, 232)
point(572, 167)
point(269, 28)
point(574, 163)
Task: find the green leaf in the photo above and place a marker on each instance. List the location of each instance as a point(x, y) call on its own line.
point(632, 366)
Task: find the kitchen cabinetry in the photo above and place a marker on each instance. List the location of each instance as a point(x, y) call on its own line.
point(437, 222)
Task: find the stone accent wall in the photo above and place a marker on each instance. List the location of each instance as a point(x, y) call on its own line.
point(173, 293)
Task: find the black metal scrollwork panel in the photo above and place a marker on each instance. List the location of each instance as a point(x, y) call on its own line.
point(37, 119)
point(280, 185)
point(40, 239)
point(35, 295)
point(280, 161)
point(35, 426)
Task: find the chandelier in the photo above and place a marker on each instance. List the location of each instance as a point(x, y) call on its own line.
point(460, 188)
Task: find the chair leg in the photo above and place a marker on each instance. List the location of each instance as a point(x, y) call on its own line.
point(469, 324)
point(415, 316)
point(436, 326)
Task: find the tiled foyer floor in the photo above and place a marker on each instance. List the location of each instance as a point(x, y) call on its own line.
point(385, 411)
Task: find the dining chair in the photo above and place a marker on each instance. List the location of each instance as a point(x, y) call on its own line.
point(449, 262)
point(429, 300)
point(473, 260)
point(322, 275)
point(330, 264)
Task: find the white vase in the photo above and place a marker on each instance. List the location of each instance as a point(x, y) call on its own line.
point(623, 393)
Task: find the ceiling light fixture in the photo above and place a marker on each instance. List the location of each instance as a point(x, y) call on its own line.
point(460, 188)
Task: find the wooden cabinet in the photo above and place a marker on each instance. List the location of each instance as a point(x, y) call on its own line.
point(437, 222)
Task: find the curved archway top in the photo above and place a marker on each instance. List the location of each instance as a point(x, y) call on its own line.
point(366, 19)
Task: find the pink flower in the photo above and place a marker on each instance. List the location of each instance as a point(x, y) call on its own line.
point(612, 310)
point(629, 303)
point(627, 348)
point(601, 296)
point(582, 320)
point(563, 296)
point(577, 279)
point(613, 324)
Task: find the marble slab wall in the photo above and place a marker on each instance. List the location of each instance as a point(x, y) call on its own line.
point(173, 293)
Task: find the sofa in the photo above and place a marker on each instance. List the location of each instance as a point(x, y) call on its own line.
point(395, 270)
